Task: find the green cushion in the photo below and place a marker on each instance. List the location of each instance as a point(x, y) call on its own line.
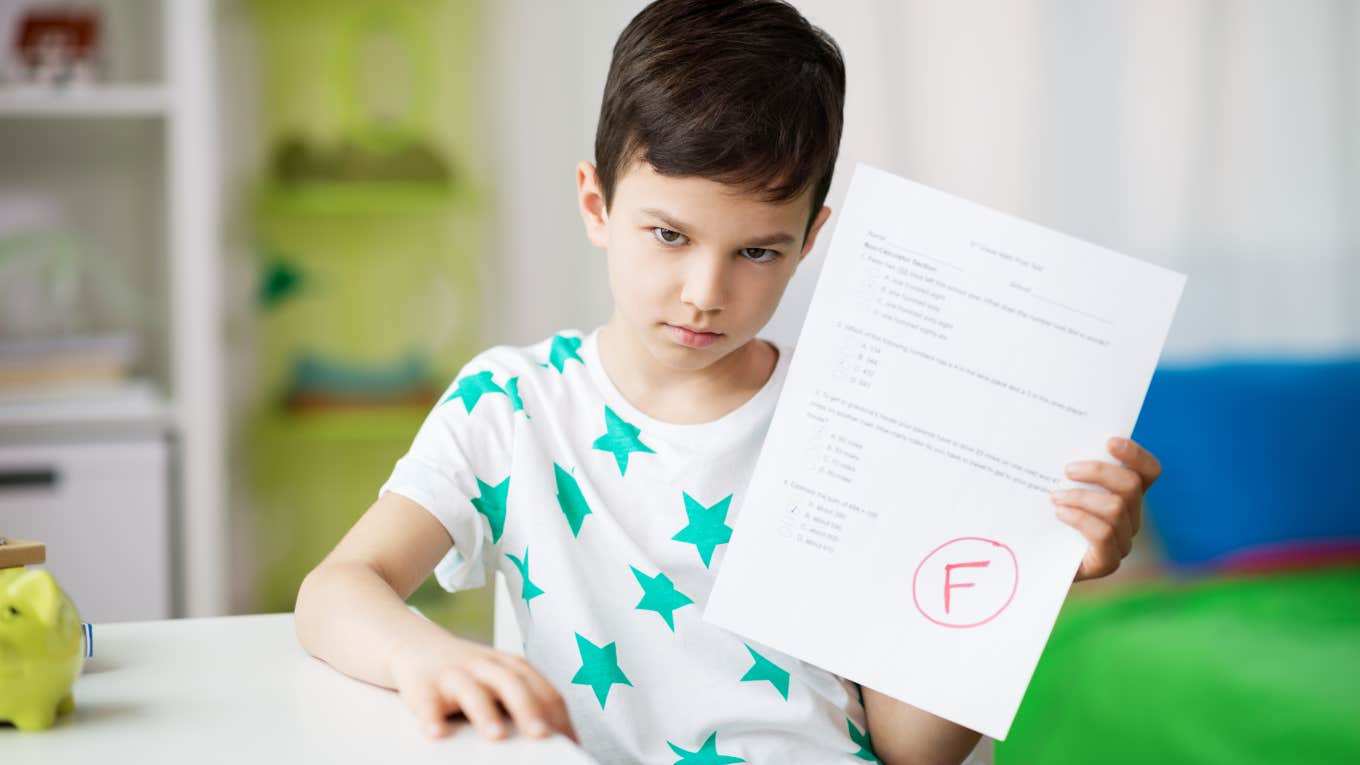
point(1249, 669)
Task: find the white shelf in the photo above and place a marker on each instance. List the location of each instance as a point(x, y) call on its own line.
point(134, 403)
point(152, 136)
point(105, 101)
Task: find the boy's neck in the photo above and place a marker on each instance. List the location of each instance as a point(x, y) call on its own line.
point(683, 397)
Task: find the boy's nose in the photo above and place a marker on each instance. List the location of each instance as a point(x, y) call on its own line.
point(706, 283)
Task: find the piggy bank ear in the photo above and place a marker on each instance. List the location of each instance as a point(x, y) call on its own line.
point(36, 591)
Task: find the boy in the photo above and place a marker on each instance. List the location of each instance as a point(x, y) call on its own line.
point(602, 472)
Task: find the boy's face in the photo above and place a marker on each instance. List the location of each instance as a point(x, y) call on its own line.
point(688, 252)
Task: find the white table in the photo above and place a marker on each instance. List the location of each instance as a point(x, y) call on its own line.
point(240, 689)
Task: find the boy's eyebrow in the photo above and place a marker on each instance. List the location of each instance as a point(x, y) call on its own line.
point(761, 241)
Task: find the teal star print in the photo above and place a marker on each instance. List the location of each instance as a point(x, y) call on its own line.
point(866, 747)
point(621, 438)
point(512, 390)
point(707, 528)
point(530, 590)
point(570, 499)
point(491, 503)
point(659, 595)
point(764, 669)
point(563, 349)
point(704, 755)
point(599, 668)
point(471, 388)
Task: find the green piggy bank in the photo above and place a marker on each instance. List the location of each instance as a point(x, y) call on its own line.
point(41, 649)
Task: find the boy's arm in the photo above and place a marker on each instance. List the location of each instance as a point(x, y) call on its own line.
point(351, 613)
point(904, 735)
point(351, 609)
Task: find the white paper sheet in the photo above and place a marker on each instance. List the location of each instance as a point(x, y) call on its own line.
point(898, 530)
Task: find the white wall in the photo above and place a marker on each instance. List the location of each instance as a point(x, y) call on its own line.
point(1214, 138)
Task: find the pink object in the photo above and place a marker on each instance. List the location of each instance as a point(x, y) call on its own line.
point(1289, 556)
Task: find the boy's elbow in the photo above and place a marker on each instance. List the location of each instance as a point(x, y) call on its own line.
point(905, 735)
point(919, 758)
point(305, 610)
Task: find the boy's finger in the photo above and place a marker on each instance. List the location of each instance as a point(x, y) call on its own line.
point(1108, 507)
point(1106, 540)
point(554, 706)
point(1116, 478)
point(427, 707)
point(514, 693)
point(1140, 460)
point(476, 702)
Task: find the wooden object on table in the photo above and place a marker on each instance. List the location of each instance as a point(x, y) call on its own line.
point(21, 552)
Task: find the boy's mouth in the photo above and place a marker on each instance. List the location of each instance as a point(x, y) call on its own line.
point(692, 338)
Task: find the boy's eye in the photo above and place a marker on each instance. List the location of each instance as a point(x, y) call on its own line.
point(670, 238)
point(666, 236)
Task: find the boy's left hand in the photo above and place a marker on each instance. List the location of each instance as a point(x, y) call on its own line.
point(1109, 519)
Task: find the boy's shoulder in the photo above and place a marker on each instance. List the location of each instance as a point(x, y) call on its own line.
point(549, 353)
point(512, 369)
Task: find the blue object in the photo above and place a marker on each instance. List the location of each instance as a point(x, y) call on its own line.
point(315, 373)
point(1254, 455)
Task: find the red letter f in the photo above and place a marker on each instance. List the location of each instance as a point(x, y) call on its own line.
point(949, 568)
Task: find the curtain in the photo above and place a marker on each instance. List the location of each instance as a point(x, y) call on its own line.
point(1220, 139)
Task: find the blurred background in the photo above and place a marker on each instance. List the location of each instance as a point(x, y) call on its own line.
point(244, 244)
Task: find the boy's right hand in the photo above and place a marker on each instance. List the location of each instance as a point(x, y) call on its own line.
point(441, 677)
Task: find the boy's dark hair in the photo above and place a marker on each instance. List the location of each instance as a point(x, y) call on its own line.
point(743, 92)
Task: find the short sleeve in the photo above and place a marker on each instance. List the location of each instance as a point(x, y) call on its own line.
point(458, 468)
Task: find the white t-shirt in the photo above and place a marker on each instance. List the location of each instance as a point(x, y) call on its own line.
point(610, 527)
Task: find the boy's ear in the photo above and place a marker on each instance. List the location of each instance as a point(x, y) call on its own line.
point(812, 232)
point(590, 197)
